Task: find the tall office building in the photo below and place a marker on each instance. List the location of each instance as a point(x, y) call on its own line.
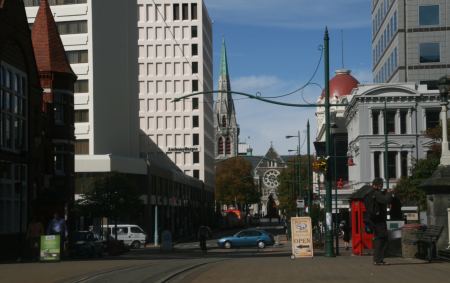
point(99, 47)
point(225, 124)
point(410, 40)
point(175, 59)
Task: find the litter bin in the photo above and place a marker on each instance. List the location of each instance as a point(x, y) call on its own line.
point(409, 240)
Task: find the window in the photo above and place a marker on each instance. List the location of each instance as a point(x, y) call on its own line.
point(194, 32)
point(13, 108)
point(429, 53)
point(196, 174)
point(59, 160)
point(220, 146)
point(194, 103)
point(403, 116)
point(81, 86)
point(404, 164)
point(195, 139)
point(429, 15)
point(81, 116)
point(185, 12)
point(375, 122)
point(390, 122)
point(376, 164)
point(176, 12)
point(195, 121)
point(196, 157)
point(136, 230)
point(228, 146)
point(78, 56)
point(194, 85)
point(224, 121)
point(58, 108)
point(73, 27)
point(392, 164)
point(431, 85)
point(82, 147)
point(195, 67)
point(194, 49)
point(193, 11)
point(432, 117)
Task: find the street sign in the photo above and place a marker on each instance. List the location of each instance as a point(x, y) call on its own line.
point(300, 203)
point(301, 235)
point(50, 248)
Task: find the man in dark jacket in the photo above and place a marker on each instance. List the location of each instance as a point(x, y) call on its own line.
point(380, 240)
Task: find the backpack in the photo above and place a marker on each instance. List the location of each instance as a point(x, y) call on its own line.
point(372, 211)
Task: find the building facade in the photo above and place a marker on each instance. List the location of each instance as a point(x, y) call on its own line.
point(407, 111)
point(22, 155)
point(225, 124)
point(410, 40)
point(175, 59)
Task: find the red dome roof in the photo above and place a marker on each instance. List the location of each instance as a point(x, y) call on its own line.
point(341, 84)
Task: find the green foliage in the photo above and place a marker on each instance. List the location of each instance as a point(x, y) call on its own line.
point(289, 185)
point(234, 182)
point(111, 195)
point(407, 189)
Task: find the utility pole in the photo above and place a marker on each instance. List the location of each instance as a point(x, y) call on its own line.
point(309, 168)
point(328, 213)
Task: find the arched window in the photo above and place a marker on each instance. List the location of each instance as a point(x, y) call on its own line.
point(228, 146)
point(220, 146)
point(224, 121)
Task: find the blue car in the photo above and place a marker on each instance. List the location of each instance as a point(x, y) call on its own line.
point(247, 238)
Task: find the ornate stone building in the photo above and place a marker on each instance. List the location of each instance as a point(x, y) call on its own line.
point(227, 129)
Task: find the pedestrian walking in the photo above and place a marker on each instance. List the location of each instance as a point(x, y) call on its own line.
point(57, 226)
point(34, 232)
point(204, 232)
point(345, 227)
point(376, 213)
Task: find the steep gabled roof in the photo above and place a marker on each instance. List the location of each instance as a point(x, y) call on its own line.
point(48, 48)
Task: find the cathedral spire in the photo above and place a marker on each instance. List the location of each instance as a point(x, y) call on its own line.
point(224, 61)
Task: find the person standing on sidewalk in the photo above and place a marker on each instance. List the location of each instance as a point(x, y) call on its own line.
point(34, 232)
point(57, 226)
point(204, 232)
point(378, 214)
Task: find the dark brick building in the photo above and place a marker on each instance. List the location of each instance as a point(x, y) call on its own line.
point(21, 135)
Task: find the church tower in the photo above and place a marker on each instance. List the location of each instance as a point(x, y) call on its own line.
point(226, 127)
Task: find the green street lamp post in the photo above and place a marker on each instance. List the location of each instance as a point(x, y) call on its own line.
point(328, 213)
point(297, 166)
point(308, 146)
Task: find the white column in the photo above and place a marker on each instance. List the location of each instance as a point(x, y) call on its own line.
point(397, 121)
point(445, 157)
point(409, 126)
point(381, 123)
point(398, 166)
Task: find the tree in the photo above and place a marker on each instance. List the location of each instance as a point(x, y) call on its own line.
point(112, 195)
point(287, 190)
point(234, 182)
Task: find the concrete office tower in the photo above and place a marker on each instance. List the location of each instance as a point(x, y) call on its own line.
point(100, 49)
point(227, 129)
point(175, 59)
point(410, 40)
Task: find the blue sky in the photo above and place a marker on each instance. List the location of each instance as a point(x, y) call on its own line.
point(272, 48)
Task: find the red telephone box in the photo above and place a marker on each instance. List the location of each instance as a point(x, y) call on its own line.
point(361, 240)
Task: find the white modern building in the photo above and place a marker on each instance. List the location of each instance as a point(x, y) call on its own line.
point(98, 46)
point(175, 59)
point(410, 40)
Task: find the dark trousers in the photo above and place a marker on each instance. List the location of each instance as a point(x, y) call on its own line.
point(380, 242)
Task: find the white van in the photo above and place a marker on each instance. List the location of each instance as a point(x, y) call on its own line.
point(131, 235)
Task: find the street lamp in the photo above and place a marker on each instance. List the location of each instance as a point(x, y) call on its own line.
point(443, 85)
point(299, 195)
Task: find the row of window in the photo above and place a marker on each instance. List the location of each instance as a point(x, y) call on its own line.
point(77, 56)
point(13, 125)
point(380, 14)
point(168, 140)
point(388, 67)
point(31, 3)
point(394, 170)
point(149, 105)
point(167, 33)
point(224, 145)
point(164, 87)
point(385, 39)
point(72, 27)
point(169, 122)
point(185, 158)
point(151, 13)
point(397, 124)
point(168, 69)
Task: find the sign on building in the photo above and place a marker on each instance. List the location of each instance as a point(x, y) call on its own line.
point(301, 235)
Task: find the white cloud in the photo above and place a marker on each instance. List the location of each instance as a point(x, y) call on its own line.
point(300, 14)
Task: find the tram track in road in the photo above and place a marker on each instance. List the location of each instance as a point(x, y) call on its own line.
point(179, 275)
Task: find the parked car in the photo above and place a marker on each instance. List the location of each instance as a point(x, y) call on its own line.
point(131, 235)
point(247, 238)
point(86, 244)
